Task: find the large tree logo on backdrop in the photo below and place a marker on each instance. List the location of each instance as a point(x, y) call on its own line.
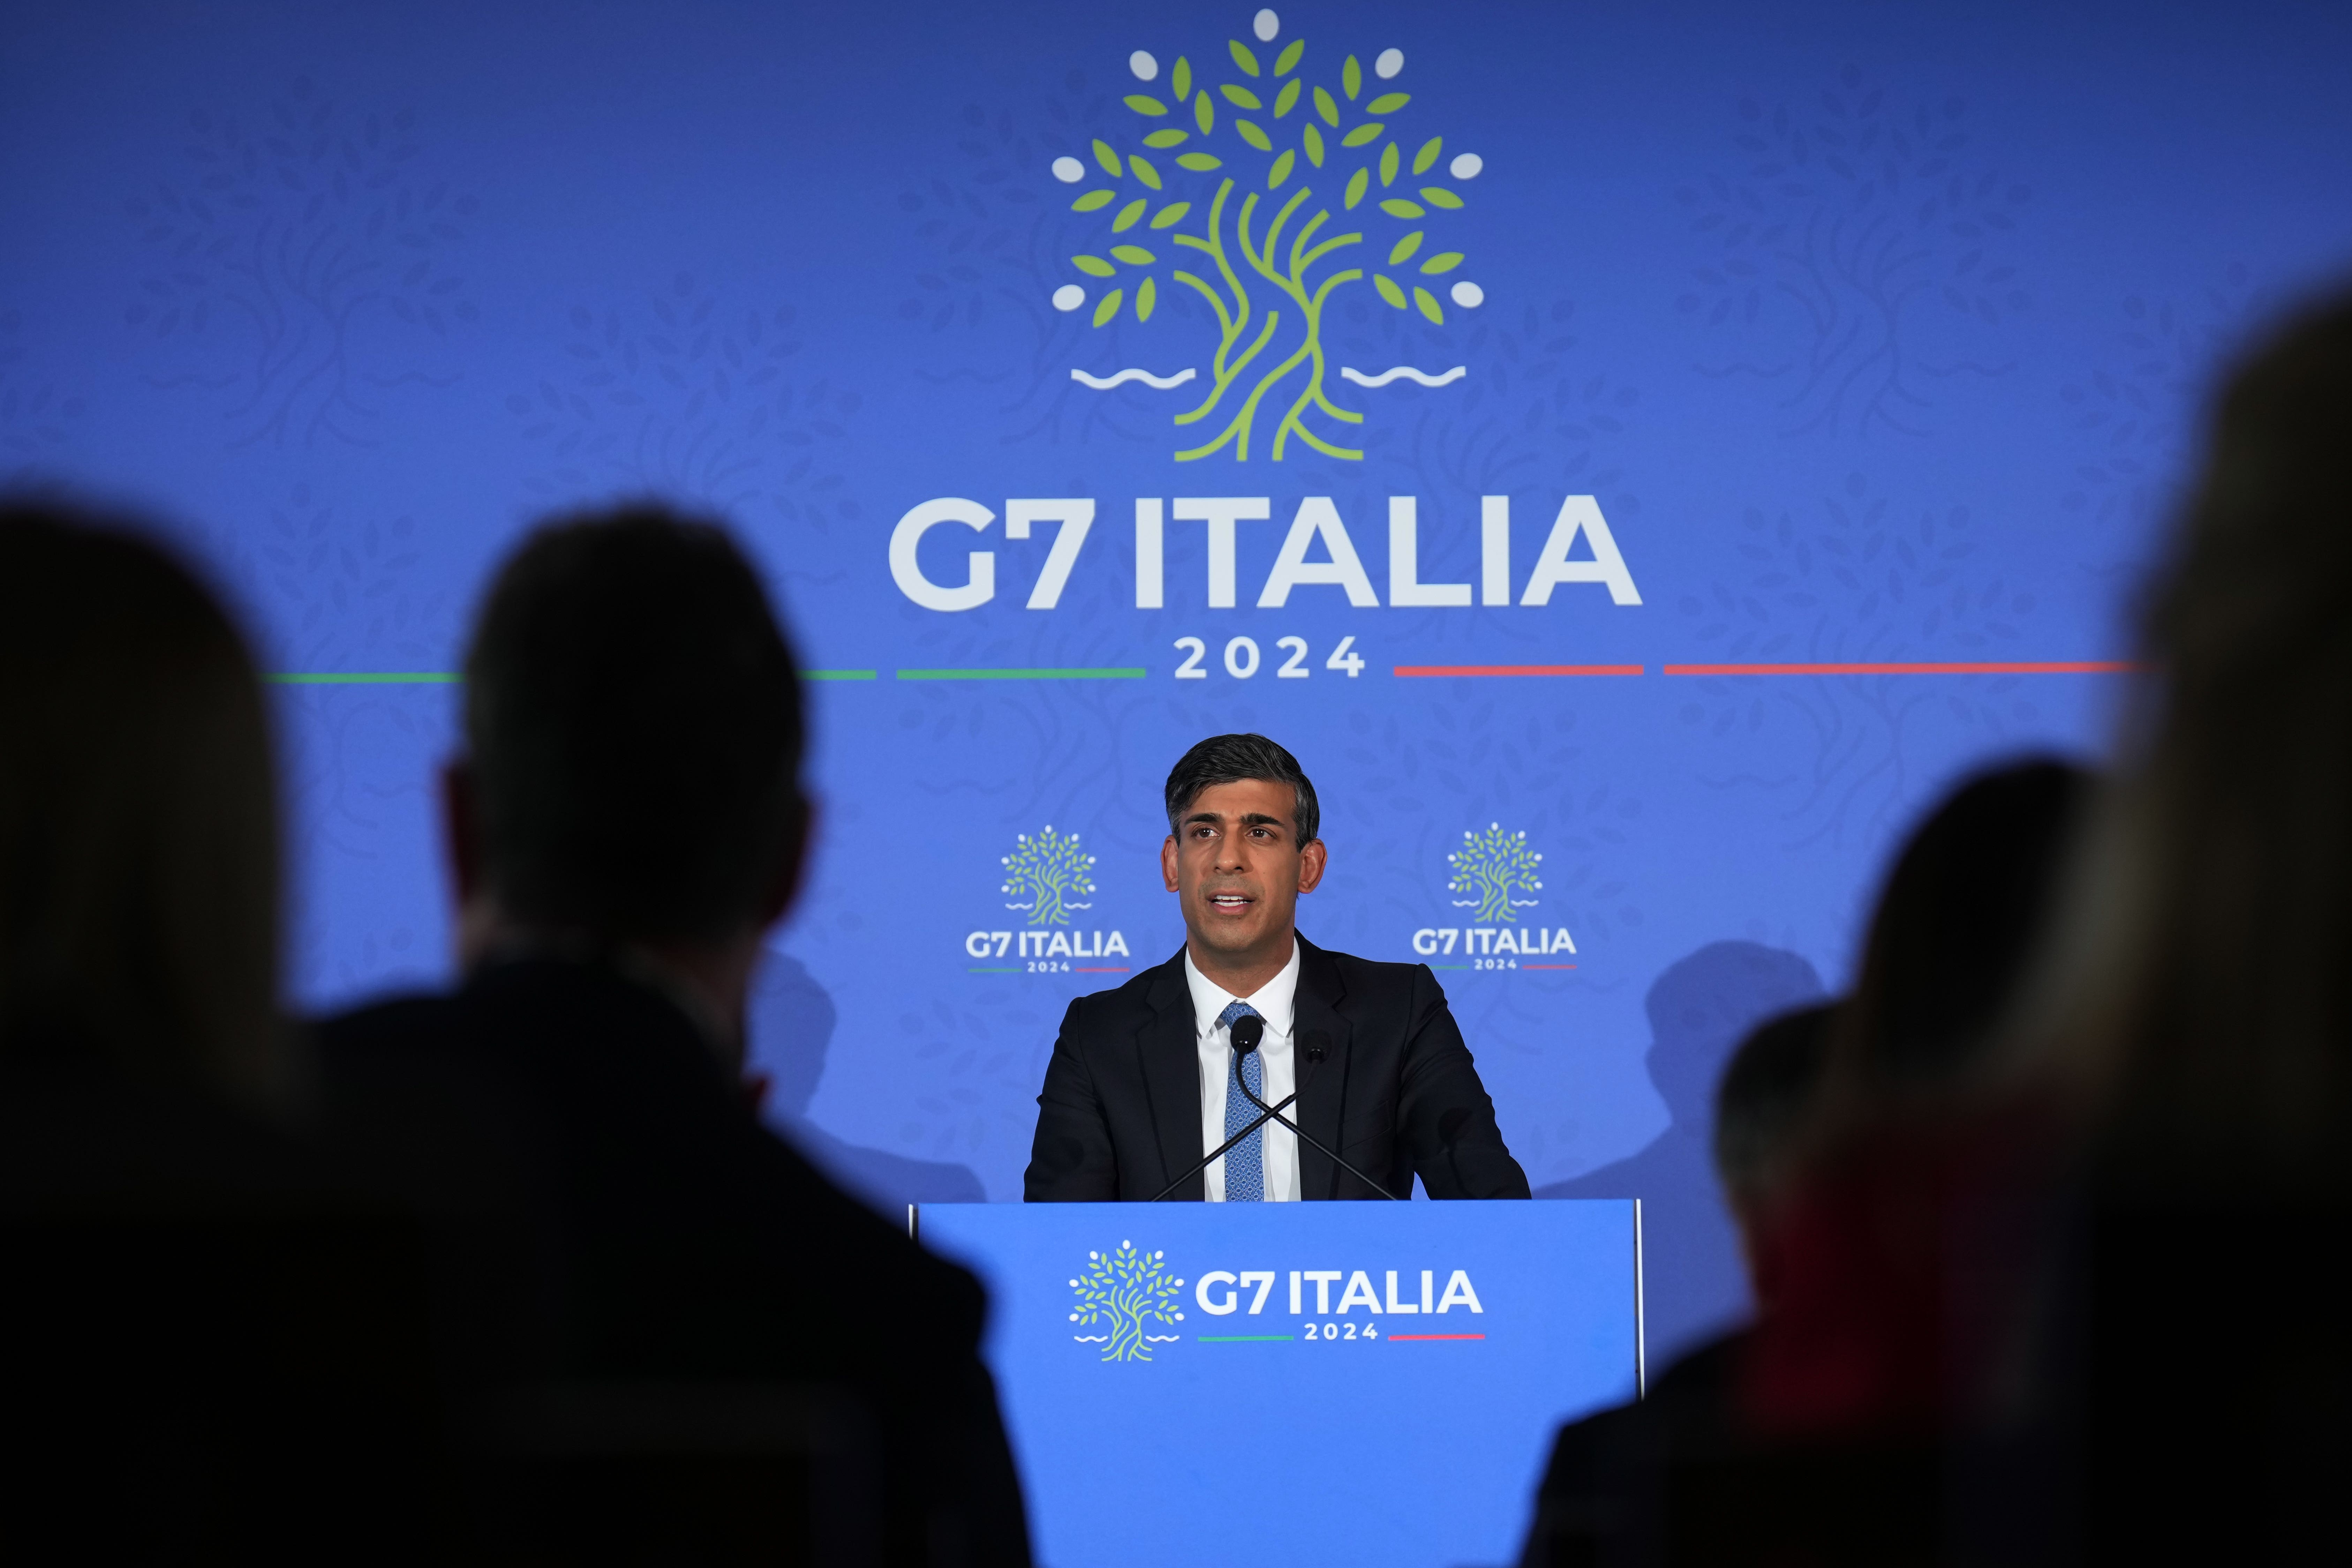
point(1265, 195)
point(1490, 866)
point(1125, 1294)
point(1053, 871)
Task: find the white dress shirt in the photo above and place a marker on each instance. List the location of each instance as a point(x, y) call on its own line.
point(1273, 1003)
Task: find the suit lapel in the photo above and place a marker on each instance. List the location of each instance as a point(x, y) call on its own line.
point(1169, 1055)
point(1318, 1029)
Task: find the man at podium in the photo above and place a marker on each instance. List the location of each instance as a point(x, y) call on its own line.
point(1160, 1089)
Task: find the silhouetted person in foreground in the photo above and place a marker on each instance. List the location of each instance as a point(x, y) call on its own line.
point(207, 1351)
point(1601, 1495)
point(634, 1263)
point(1699, 1008)
point(2201, 1009)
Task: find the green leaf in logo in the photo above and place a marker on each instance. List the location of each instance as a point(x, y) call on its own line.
point(1288, 58)
point(1133, 255)
point(1199, 163)
point(1426, 158)
point(1092, 201)
point(1107, 158)
point(1439, 196)
point(1242, 57)
point(1403, 249)
point(1254, 136)
point(1328, 107)
point(1146, 299)
point(1389, 164)
point(1204, 112)
point(1358, 184)
point(1388, 104)
point(1167, 136)
point(1389, 292)
point(1180, 78)
point(1240, 96)
point(1131, 215)
point(1143, 170)
point(1288, 99)
point(1445, 261)
point(1351, 78)
point(1144, 103)
point(1093, 265)
point(1397, 207)
point(1428, 303)
point(1109, 306)
point(1170, 214)
point(1312, 140)
point(1281, 170)
point(1368, 132)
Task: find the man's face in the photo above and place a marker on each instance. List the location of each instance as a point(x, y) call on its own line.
point(1237, 868)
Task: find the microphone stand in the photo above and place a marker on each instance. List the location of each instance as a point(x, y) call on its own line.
point(1267, 1114)
point(1246, 1033)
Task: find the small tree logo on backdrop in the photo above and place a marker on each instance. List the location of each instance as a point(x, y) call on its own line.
point(1265, 196)
point(1126, 1293)
point(1053, 871)
point(1489, 868)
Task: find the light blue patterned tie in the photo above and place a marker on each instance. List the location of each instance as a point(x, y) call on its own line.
point(1246, 1160)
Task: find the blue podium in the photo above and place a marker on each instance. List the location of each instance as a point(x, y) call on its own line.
point(1211, 1386)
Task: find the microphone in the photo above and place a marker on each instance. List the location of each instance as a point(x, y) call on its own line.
point(1246, 1033)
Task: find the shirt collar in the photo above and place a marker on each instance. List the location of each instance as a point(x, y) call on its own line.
point(1274, 999)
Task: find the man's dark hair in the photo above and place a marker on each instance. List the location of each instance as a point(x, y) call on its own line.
point(1766, 1097)
point(1231, 758)
point(633, 721)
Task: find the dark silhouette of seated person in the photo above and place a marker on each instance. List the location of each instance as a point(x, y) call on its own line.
point(209, 1349)
point(1699, 1009)
point(1602, 1488)
point(625, 826)
point(791, 1027)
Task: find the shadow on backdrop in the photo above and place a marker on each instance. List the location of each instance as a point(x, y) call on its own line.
point(790, 1025)
point(1700, 1009)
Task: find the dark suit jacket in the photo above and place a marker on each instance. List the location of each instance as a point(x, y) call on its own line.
point(1383, 1078)
point(609, 1211)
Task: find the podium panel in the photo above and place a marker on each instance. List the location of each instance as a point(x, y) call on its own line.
point(1364, 1384)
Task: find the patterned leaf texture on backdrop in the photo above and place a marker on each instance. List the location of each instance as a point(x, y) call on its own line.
point(1635, 459)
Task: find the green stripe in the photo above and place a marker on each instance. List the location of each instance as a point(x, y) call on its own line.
point(1449, 966)
point(1241, 1339)
point(840, 674)
point(1108, 673)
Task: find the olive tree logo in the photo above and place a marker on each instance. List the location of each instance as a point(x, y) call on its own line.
point(1126, 1292)
point(1053, 871)
point(1490, 866)
point(1237, 189)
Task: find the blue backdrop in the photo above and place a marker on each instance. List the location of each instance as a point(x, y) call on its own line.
point(1823, 334)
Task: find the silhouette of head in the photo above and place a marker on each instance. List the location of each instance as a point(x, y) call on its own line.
point(1704, 1005)
point(138, 826)
point(792, 1023)
point(632, 721)
point(1762, 1105)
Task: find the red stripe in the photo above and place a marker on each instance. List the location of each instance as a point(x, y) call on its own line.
point(1409, 671)
point(2070, 666)
point(1437, 1336)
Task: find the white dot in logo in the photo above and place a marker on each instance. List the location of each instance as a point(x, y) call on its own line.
point(1468, 295)
point(1070, 297)
point(1390, 62)
point(1466, 165)
point(1144, 66)
point(1069, 170)
point(1266, 25)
